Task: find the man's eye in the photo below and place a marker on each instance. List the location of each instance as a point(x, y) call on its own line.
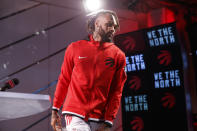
point(109, 24)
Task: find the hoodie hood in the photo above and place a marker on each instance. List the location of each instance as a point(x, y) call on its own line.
point(97, 43)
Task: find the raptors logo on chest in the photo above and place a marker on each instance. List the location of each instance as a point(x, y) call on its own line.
point(109, 61)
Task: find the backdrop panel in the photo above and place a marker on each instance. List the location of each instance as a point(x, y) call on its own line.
point(153, 97)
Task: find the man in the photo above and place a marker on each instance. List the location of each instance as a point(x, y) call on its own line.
point(91, 79)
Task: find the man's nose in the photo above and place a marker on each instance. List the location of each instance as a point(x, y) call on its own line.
point(112, 29)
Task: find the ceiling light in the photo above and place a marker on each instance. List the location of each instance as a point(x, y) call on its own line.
point(92, 5)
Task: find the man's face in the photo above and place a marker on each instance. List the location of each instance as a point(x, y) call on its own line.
point(106, 24)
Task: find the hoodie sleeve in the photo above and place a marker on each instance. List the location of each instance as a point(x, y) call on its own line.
point(64, 79)
point(116, 91)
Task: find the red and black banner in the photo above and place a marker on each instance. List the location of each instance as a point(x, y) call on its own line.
point(153, 97)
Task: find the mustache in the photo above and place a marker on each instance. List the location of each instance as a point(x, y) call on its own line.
point(110, 33)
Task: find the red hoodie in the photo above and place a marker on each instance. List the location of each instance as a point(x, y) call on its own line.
point(91, 80)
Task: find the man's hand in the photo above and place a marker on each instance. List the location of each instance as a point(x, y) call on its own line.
point(103, 127)
point(55, 121)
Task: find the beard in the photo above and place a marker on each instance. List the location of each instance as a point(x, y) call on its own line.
point(105, 36)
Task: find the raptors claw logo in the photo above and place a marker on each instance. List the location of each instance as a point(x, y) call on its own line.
point(168, 100)
point(135, 83)
point(110, 62)
point(137, 124)
point(129, 43)
point(164, 57)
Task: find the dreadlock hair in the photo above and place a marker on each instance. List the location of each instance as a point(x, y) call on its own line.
point(93, 16)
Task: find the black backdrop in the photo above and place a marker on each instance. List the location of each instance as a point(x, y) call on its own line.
point(192, 31)
point(153, 97)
